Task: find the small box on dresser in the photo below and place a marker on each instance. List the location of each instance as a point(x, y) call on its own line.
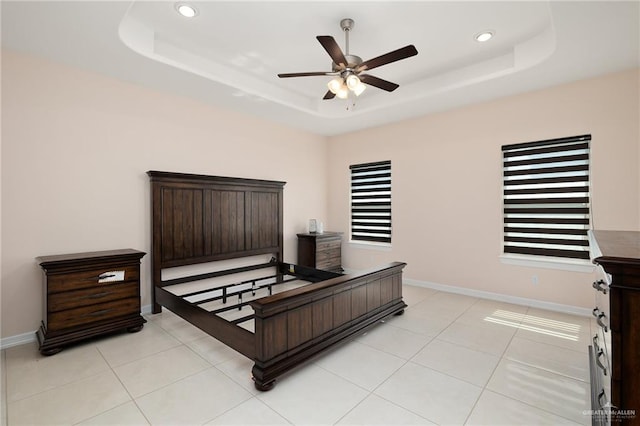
point(615, 349)
point(87, 295)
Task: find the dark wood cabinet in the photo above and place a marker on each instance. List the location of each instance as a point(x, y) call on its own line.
point(321, 251)
point(89, 294)
point(615, 352)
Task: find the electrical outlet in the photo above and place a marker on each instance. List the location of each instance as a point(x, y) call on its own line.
point(534, 280)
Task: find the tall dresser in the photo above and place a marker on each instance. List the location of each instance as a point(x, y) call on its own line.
point(615, 349)
point(89, 294)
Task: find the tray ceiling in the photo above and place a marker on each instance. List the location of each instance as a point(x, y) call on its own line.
point(230, 53)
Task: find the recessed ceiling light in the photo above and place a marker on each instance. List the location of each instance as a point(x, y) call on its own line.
point(186, 10)
point(484, 36)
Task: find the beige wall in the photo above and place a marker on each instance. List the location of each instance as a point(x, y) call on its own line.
point(75, 150)
point(76, 146)
point(446, 183)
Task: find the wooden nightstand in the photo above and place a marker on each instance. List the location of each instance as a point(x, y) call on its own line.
point(321, 251)
point(89, 294)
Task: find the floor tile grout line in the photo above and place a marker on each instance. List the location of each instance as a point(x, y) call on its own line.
point(125, 389)
point(532, 406)
point(548, 343)
point(210, 366)
point(372, 392)
point(333, 374)
point(75, 380)
point(527, 404)
point(508, 396)
point(171, 383)
point(134, 399)
point(544, 369)
point(231, 408)
point(257, 396)
point(431, 339)
point(152, 355)
point(109, 368)
point(493, 372)
point(501, 358)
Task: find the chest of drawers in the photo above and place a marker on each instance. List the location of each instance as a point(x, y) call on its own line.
point(321, 251)
point(615, 349)
point(89, 294)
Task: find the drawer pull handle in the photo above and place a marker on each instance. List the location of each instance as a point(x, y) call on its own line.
point(602, 395)
point(595, 312)
point(600, 285)
point(99, 313)
point(600, 353)
point(600, 322)
point(100, 277)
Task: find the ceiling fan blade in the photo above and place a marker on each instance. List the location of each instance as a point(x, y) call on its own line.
point(387, 58)
point(332, 48)
point(329, 95)
point(304, 74)
point(378, 82)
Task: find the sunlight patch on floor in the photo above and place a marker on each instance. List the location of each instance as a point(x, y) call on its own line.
point(554, 328)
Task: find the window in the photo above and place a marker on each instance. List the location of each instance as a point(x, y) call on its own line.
point(371, 202)
point(546, 197)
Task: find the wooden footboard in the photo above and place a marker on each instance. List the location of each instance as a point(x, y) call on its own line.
point(292, 327)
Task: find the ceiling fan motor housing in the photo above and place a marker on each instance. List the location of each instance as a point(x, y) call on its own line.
point(352, 63)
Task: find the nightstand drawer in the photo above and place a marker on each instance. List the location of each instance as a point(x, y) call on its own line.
point(328, 246)
point(90, 278)
point(328, 254)
point(99, 293)
point(93, 313)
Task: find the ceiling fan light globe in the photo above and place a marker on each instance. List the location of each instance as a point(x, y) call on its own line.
point(359, 88)
point(335, 85)
point(343, 93)
point(352, 81)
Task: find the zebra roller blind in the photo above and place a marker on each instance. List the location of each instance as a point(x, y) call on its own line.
point(371, 202)
point(546, 197)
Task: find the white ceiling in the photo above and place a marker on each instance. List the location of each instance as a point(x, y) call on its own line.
point(231, 52)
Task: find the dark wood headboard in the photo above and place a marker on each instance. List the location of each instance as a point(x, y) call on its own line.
point(198, 218)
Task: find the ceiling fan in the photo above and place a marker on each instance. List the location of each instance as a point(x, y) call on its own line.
point(349, 70)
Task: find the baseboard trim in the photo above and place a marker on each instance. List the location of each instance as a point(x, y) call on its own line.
point(145, 309)
point(28, 337)
point(17, 340)
point(534, 303)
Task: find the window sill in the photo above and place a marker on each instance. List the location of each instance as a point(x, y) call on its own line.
point(548, 263)
point(370, 245)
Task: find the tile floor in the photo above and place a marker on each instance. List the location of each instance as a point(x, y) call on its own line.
point(449, 360)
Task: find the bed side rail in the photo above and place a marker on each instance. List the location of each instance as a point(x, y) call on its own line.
point(228, 333)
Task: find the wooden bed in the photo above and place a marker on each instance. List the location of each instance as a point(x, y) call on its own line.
point(217, 254)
